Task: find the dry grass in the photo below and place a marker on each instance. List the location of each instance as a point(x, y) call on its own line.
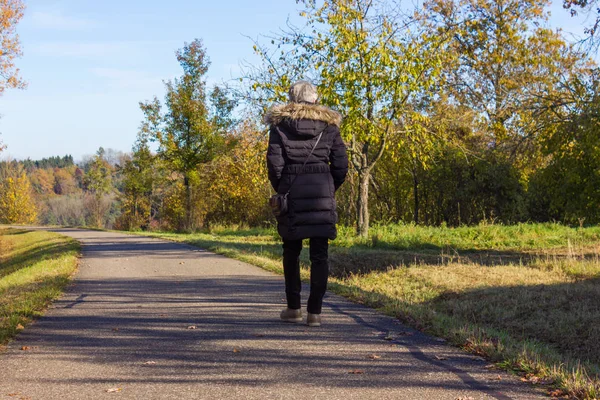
point(34, 269)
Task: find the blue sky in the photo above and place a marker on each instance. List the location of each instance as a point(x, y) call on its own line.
point(88, 64)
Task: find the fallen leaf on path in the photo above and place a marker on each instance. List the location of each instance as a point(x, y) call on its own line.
point(258, 335)
point(356, 371)
point(559, 393)
point(536, 380)
point(374, 357)
point(181, 263)
point(496, 378)
point(25, 348)
point(113, 390)
point(163, 315)
point(13, 394)
point(440, 357)
point(236, 350)
point(464, 398)
point(150, 362)
point(19, 327)
point(192, 327)
point(115, 329)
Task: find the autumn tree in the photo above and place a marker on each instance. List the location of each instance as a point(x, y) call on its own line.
point(65, 181)
point(16, 201)
point(370, 62)
point(11, 11)
point(508, 68)
point(189, 131)
point(236, 182)
point(42, 181)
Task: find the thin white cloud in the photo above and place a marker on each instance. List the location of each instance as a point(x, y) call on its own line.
point(84, 49)
point(125, 49)
point(127, 79)
point(58, 21)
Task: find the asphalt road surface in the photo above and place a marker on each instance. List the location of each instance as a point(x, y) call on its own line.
point(151, 319)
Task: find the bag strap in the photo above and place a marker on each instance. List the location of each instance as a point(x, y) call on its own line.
point(305, 161)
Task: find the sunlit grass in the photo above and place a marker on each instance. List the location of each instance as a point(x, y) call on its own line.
point(35, 266)
point(525, 236)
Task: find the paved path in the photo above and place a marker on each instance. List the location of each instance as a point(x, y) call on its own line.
point(126, 323)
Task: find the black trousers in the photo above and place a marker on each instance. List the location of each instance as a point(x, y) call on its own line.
point(319, 272)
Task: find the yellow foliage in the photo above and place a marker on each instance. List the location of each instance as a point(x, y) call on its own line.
point(16, 203)
point(234, 187)
point(11, 11)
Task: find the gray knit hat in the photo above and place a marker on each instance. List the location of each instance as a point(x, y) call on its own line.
point(303, 92)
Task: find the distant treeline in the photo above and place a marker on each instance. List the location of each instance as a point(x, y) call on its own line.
point(51, 162)
point(56, 191)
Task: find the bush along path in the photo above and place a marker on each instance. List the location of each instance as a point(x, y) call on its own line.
point(149, 318)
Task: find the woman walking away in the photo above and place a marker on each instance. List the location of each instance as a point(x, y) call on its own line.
point(307, 160)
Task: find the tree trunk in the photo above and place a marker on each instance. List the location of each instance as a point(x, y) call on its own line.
point(98, 212)
point(133, 224)
point(188, 204)
point(416, 195)
point(362, 205)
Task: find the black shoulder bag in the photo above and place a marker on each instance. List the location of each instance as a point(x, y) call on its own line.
point(279, 202)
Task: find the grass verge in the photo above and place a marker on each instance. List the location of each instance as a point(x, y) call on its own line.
point(35, 266)
point(524, 297)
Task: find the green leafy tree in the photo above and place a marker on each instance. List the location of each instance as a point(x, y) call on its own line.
point(189, 131)
point(98, 182)
point(142, 177)
point(568, 188)
point(370, 61)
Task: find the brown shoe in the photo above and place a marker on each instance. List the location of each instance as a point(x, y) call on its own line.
point(313, 319)
point(291, 315)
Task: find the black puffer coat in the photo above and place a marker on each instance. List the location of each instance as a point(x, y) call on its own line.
point(294, 131)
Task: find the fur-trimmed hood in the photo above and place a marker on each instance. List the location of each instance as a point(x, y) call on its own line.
point(297, 111)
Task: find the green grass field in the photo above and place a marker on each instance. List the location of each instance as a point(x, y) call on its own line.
point(526, 296)
point(35, 266)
